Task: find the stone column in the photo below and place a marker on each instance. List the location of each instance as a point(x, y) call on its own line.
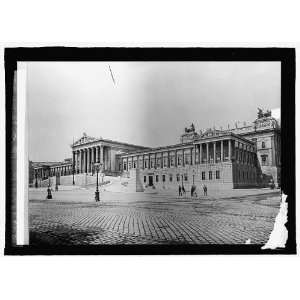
point(229, 150)
point(191, 160)
point(143, 161)
point(73, 159)
point(88, 160)
point(97, 154)
point(92, 157)
point(79, 161)
point(155, 157)
point(149, 162)
point(84, 160)
point(127, 166)
point(221, 150)
point(200, 153)
point(176, 162)
point(101, 155)
point(207, 152)
point(109, 159)
point(214, 153)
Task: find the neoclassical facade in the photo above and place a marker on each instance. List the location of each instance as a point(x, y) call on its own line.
point(216, 159)
point(240, 157)
point(89, 150)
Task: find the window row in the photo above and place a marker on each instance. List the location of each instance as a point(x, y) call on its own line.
point(184, 177)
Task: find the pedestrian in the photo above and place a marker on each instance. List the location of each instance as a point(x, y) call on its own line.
point(183, 190)
point(205, 190)
point(179, 190)
point(192, 190)
point(49, 195)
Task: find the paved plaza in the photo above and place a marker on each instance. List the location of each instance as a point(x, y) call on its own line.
point(73, 218)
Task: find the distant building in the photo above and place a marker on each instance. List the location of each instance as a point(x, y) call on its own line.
point(245, 156)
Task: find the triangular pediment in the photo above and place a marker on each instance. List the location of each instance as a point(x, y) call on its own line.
point(84, 139)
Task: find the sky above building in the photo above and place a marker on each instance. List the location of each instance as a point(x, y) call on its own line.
point(144, 103)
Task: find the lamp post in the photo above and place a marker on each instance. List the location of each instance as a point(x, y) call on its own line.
point(73, 172)
point(97, 194)
point(36, 179)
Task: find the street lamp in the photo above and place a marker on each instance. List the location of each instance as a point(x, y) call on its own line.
point(36, 179)
point(73, 172)
point(97, 194)
point(181, 179)
point(193, 177)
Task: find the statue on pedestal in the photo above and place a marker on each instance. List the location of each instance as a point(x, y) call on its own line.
point(189, 129)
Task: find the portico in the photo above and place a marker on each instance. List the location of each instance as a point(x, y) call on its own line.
point(88, 150)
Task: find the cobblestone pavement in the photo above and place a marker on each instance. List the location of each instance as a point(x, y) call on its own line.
point(154, 219)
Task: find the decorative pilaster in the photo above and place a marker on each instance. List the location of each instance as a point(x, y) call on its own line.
point(214, 153)
point(207, 152)
point(222, 150)
point(229, 150)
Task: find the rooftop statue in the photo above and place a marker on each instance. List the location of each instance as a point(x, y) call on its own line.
point(261, 114)
point(189, 129)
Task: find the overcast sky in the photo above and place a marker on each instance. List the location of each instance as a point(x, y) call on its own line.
point(150, 103)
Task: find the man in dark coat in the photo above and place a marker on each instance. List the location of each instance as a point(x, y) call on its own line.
point(205, 190)
point(179, 190)
point(193, 190)
point(183, 190)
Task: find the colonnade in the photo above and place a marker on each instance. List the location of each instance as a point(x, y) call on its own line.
point(199, 153)
point(85, 158)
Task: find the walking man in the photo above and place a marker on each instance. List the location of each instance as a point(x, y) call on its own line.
point(183, 190)
point(205, 190)
point(193, 188)
point(179, 190)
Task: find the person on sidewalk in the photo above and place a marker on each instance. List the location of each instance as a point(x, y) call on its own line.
point(179, 190)
point(193, 188)
point(183, 190)
point(205, 190)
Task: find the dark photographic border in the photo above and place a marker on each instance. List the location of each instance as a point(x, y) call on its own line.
point(285, 55)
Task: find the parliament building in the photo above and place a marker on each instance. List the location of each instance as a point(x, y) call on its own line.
point(241, 157)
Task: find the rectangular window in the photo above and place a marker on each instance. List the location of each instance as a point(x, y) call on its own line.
point(178, 177)
point(171, 177)
point(146, 164)
point(152, 163)
point(129, 165)
point(164, 178)
point(179, 160)
point(158, 162)
point(185, 177)
point(187, 159)
point(156, 178)
point(124, 167)
point(264, 160)
point(210, 175)
point(134, 164)
point(217, 174)
point(263, 144)
point(172, 161)
point(165, 161)
point(203, 175)
point(145, 178)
